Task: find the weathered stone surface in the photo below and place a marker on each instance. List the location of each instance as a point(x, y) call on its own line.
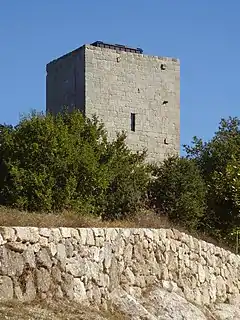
point(29, 258)
point(43, 241)
point(43, 259)
point(90, 238)
point(43, 280)
point(68, 285)
point(45, 232)
point(96, 295)
point(8, 234)
point(107, 252)
point(56, 235)
point(56, 275)
point(16, 246)
point(11, 262)
point(71, 264)
point(76, 267)
point(170, 306)
point(79, 291)
point(225, 311)
point(61, 255)
point(65, 232)
point(130, 82)
point(83, 235)
point(114, 275)
point(98, 232)
point(6, 288)
point(129, 306)
point(25, 289)
point(69, 248)
point(27, 234)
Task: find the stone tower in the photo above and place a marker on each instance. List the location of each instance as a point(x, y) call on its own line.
point(126, 89)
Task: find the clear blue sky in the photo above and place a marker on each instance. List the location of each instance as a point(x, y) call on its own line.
point(203, 34)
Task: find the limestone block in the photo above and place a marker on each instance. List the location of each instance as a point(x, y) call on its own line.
point(79, 292)
point(43, 280)
point(98, 232)
point(45, 232)
point(128, 252)
point(119, 247)
point(162, 234)
point(129, 276)
point(43, 241)
point(29, 258)
point(221, 289)
point(36, 247)
point(68, 285)
point(68, 248)
point(8, 234)
point(52, 249)
point(201, 273)
point(43, 259)
point(107, 251)
point(96, 295)
point(25, 291)
point(99, 242)
point(61, 252)
point(90, 238)
point(6, 288)
point(83, 235)
point(75, 234)
point(27, 234)
point(65, 232)
point(56, 235)
point(56, 275)
point(16, 246)
point(149, 234)
point(110, 234)
point(138, 251)
point(11, 262)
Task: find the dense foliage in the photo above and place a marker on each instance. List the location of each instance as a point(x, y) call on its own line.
point(202, 189)
point(178, 191)
point(66, 162)
point(219, 163)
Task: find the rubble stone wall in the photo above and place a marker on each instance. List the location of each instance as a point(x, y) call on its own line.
point(86, 264)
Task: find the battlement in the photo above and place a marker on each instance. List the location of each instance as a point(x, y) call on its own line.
point(117, 47)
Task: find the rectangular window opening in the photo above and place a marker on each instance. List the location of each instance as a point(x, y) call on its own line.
point(133, 121)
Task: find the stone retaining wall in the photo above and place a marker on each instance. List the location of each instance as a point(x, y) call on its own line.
point(87, 264)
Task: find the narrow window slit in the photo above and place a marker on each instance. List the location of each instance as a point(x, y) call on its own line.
point(133, 121)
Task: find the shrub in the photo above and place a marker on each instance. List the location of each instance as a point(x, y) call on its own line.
point(129, 179)
point(219, 162)
point(178, 191)
point(66, 162)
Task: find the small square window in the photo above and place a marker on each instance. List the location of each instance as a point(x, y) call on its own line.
point(133, 121)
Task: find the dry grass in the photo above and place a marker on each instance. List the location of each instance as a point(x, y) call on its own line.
point(63, 310)
point(145, 219)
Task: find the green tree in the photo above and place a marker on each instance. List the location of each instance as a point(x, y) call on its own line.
point(219, 162)
point(129, 177)
point(66, 162)
point(178, 191)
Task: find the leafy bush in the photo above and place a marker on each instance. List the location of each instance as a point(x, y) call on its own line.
point(219, 163)
point(178, 191)
point(66, 162)
point(129, 178)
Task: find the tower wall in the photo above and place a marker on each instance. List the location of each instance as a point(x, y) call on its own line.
point(128, 91)
point(121, 86)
